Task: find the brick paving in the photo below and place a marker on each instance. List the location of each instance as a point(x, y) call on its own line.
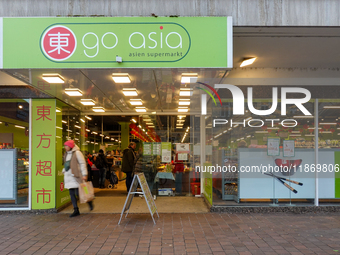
point(209, 233)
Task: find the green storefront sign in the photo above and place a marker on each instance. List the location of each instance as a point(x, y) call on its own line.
point(43, 153)
point(96, 42)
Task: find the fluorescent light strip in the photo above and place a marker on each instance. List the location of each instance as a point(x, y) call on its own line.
point(130, 92)
point(330, 123)
point(98, 109)
point(82, 120)
point(331, 107)
point(77, 126)
point(87, 102)
point(189, 78)
point(19, 126)
point(303, 117)
point(87, 117)
point(73, 92)
point(53, 78)
point(121, 78)
point(185, 92)
point(136, 102)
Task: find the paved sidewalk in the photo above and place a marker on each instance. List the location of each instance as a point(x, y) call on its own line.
point(208, 233)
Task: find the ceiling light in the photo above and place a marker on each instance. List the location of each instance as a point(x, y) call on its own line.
point(134, 120)
point(180, 124)
point(82, 120)
point(147, 120)
point(185, 92)
point(136, 102)
point(101, 135)
point(331, 123)
point(87, 102)
point(53, 78)
point(77, 126)
point(189, 78)
point(140, 109)
point(331, 107)
point(58, 127)
point(183, 109)
point(130, 92)
point(98, 109)
point(87, 117)
point(19, 126)
point(95, 133)
point(303, 117)
point(179, 127)
point(151, 126)
point(107, 137)
point(180, 121)
point(73, 92)
point(121, 78)
point(247, 61)
point(56, 109)
point(64, 121)
point(88, 130)
point(149, 123)
point(181, 116)
point(184, 102)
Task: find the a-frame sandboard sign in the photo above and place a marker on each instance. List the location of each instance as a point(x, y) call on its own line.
point(139, 178)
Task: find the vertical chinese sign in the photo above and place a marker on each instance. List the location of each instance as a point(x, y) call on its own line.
point(43, 153)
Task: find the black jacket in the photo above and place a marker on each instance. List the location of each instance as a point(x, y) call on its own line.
point(101, 161)
point(129, 160)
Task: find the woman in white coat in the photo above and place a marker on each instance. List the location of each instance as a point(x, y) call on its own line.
point(75, 172)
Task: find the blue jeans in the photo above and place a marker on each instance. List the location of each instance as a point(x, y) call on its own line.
point(178, 182)
point(102, 177)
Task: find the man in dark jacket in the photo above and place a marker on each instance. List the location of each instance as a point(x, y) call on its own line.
point(101, 163)
point(128, 164)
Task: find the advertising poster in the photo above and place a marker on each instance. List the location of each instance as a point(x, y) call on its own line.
point(273, 146)
point(147, 149)
point(166, 152)
point(288, 148)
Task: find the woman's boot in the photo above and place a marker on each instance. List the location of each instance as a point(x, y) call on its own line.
point(75, 212)
point(90, 205)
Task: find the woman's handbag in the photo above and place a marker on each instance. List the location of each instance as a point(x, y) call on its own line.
point(86, 192)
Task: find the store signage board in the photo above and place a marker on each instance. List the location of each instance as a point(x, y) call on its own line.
point(182, 147)
point(273, 146)
point(147, 148)
point(43, 153)
point(156, 147)
point(84, 42)
point(166, 152)
point(182, 156)
point(8, 169)
point(288, 148)
point(139, 179)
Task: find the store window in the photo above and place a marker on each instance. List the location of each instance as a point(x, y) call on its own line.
point(14, 153)
point(270, 159)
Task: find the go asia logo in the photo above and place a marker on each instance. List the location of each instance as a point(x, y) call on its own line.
point(58, 43)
